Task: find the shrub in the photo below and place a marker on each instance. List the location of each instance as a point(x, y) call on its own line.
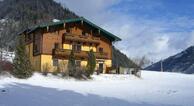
point(80, 74)
point(56, 71)
point(63, 69)
point(45, 69)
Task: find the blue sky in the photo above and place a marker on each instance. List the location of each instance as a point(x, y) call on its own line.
point(156, 9)
point(153, 28)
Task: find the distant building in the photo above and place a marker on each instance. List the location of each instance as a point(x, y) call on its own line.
point(52, 42)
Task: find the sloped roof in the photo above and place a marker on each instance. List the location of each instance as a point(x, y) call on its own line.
point(105, 33)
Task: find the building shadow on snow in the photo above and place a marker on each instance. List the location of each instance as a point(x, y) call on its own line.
point(27, 95)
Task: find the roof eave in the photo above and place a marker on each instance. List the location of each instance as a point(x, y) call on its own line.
point(109, 35)
point(106, 32)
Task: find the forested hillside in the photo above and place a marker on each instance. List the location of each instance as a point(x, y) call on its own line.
point(17, 15)
point(182, 62)
point(120, 59)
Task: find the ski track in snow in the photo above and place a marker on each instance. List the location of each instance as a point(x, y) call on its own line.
point(153, 89)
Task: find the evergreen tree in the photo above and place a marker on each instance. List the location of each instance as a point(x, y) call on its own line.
point(71, 64)
point(22, 65)
point(91, 65)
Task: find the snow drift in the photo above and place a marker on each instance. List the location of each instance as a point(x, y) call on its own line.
point(154, 89)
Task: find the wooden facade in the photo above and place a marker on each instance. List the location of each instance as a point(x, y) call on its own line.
point(53, 42)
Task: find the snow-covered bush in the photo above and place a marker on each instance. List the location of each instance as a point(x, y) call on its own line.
point(56, 71)
point(141, 62)
point(46, 67)
point(63, 69)
point(81, 73)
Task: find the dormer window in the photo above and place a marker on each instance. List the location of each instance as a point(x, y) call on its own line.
point(84, 33)
point(68, 30)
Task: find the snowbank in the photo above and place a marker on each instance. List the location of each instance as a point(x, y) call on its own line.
point(154, 89)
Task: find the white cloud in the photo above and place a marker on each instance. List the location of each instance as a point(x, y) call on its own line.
point(154, 38)
point(88, 8)
point(191, 39)
point(161, 43)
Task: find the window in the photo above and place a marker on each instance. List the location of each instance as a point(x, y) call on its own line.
point(35, 48)
point(84, 33)
point(56, 46)
point(100, 49)
point(51, 29)
point(55, 62)
point(68, 30)
point(78, 63)
point(77, 47)
point(90, 44)
point(91, 47)
point(30, 37)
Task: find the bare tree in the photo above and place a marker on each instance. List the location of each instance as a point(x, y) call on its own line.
point(141, 62)
point(45, 69)
point(63, 68)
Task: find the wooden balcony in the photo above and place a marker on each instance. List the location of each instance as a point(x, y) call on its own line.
point(64, 54)
point(81, 38)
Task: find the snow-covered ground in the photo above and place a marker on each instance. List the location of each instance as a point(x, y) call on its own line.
point(154, 89)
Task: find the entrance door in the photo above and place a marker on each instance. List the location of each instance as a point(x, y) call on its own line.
point(101, 67)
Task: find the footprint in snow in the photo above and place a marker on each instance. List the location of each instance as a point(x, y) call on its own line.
point(3, 91)
point(171, 92)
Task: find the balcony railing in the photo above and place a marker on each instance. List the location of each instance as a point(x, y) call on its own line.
point(64, 53)
point(81, 38)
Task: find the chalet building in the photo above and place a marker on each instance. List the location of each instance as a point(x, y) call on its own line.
point(52, 43)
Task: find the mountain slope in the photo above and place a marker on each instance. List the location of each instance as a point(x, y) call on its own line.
point(35, 11)
point(21, 14)
point(120, 59)
point(182, 62)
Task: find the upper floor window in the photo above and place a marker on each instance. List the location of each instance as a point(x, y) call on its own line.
point(35, 48)
point(30, 37)
point(56, 46)
point(101, 49)
point(68, 30)
point(90, 44)
point(84, 33)
point(77, 47)
point(53, 30)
